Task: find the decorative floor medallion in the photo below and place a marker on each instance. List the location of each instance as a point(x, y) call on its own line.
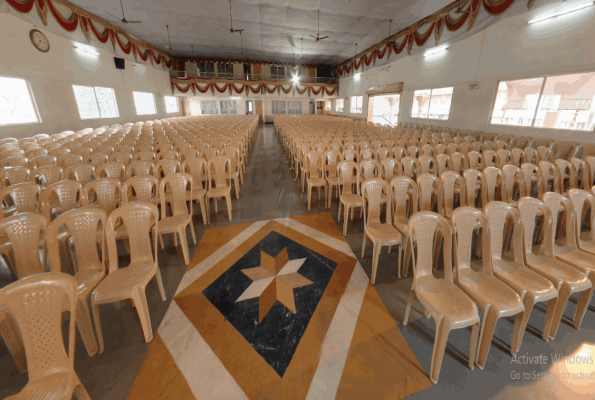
point(277, 309)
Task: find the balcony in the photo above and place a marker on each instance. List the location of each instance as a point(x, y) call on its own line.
point(249, 77)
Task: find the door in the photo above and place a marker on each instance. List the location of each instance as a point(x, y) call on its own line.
point(312, 107)
point(258, 110)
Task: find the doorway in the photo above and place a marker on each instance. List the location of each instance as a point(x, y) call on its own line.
point(312, 107)
point(258, 110)
point(249, 107)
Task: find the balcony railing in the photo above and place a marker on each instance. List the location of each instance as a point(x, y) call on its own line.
point(249, 77)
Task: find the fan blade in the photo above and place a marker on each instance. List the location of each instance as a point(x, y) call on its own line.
point(314, 37)
point(324, 37)
point(231, 30)
point(118, 18)
point(238, 30)
point(166, 47)
point(134, 22)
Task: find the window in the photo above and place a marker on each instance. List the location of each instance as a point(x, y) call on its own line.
point(294, 107)
point(278, 72)
point(95, 102)
point(432, 103)
point(172, 104)
point(206, 69)
point(208, 107)
point(229, 107)
point(249, 106)
point(339, 105)
point(516, 102)
point(384, 109)
point(16, 102)
point(225, 70)
point(327, 107)
point(278, 107)
point(145, 103)
point(356, 104)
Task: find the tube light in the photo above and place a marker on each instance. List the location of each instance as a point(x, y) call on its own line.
point(435, 51)
point(86, 49)
point(564, 12)
point(296, 79)
point(357, 76)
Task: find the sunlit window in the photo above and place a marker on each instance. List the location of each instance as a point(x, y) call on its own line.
point(516, 102)
point(172, 104)
point(145, 103)
point(95, 102)
point(16, 102)
point(339, 105)
point(356, 104)
point(327, 107)
point(278, 107)
point(432, 103)
point(384, 109)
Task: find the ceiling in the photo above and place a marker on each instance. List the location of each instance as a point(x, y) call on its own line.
point(273, 29)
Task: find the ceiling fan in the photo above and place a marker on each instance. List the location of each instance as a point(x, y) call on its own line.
point(242, 43)
point(169, 40)
point(231, 30)
point(318, 38)
point(124, 20)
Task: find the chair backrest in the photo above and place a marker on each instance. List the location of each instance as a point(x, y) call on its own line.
point(533, 180)
point(164, 168)
point(405, 197)
point(114, 169)
point(409, 167)
point(24, 196)
point(496, 184)
point(167, 155)
point(331, 158)
point(475, 160)
point(96, 160)
point(349, 176)
point(25, 232)
point(105, 193)
point(515, 183)
point(498, 214)
point(144, 156)
point(430, 193)
point(427, 165)
point(372, 191)
point(551, 177)
point(583, 201)
point(36, 304)
point(532, 155)
point(138, 168)
point(464, 221)
point(196, 167)
point(389, 168)
point(69, 160)
point(68, 194)
point(83, 224)
point(568, 176)
point(177, 185)
point(554, 201)
point(210, 153)
point(13, 176)
point(399, 152)
point(422, 229)
point(138, 218)
point(450, 182)
point(582, 173)
point(413, 151)
point(83, 173)
point(188, 153)
point(518, 156)
point(144, 187)
point(473, 178)
point(221, 168)
point(530, 208)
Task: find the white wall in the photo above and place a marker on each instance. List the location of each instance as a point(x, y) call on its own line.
point(509, 49)
point(51, 76)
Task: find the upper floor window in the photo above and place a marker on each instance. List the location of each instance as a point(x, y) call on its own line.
point(555, 102)
point(145, 103)
point(225, 70)
point(95, 102)
point(206, 69)
point(339, 105)
point(432, 103)
point(356, 104)
point(172, 104)
point(16, 102)
point(277, 71)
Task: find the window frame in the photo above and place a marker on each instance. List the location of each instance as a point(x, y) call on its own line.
point(232, 102)
point(284, 107)
point(97, 102)
point(430, 103)
point(361, 110)
point(31, 97)
point(545, 77)
point(288, 107)
point(135, 106)
point(214, 101)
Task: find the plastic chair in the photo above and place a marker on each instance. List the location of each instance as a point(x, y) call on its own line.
point(13, 176)
point(584, 200)
point(112, 169)
point(83, 226)
point(236, 171)
point(20, 198)
point(405, 203)
point(349, 176)
point(144, 156)
point(42, 161)
point(36, 304)
point(164, 168)
point(142, 188)
point(138, 168)
point(493, 296)
point(196, 167)
point(515, 183)
point(180, 218)
point(83, 173)
point(331, 159)
point(121, 157)
point(219, 173)
point(380, 234)
point(69, 160)
point(495, 184)
point(24, 233)
point(104, 193)
point(120, 284)
point(167, 155)
point(61, 197)
point(566, 279)
point(448, 305)
point(96, 160)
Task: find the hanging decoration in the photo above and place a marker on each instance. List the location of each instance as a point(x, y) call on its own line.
point(418, 35)
point(84, 20)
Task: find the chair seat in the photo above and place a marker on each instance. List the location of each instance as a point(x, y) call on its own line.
point(352, 199)
point(332, 180)
point(218, 192)
point(87, 279)
point(558, 271)
point(172, 224)
point(51, 387)
point(522, 279)
point(317, 181)
point(386, 234)
point(196, 194)
point(487, 289)
point(579, 259)
point(119, 284)
point(444, 298)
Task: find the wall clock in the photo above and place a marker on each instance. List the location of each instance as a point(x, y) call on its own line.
point(39, 40)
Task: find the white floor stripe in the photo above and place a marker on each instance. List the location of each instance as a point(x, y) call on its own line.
point(207, 377)
point(317, 235)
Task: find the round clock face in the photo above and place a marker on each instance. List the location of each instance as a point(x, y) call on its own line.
point(40, 41)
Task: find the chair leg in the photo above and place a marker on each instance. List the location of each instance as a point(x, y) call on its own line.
point(208, 206)
point(405, 264)
point(408, 308)
point(549, 317)
point(517, 332)
point(228, 199)
point(376, 255)
point(191, 226)
point(473, 344)
point(161, 242)
point(97, 325)
point(563, 296)
point(184, 243)
point(80, 392)
point(140, 301)
point(339, 213)
point(485, 336)
point(83, 322)
point(10, 333)
point(203, 212)
point(442, 330)
point(309, 196)
point(325, 194)
point(581, 308)
point(237, 186)
point(346, 217)
point(364, 246)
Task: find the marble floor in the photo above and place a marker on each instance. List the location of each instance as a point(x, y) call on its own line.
point(129, 366)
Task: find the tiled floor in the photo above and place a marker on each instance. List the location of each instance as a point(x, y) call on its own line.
point(269, 192)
